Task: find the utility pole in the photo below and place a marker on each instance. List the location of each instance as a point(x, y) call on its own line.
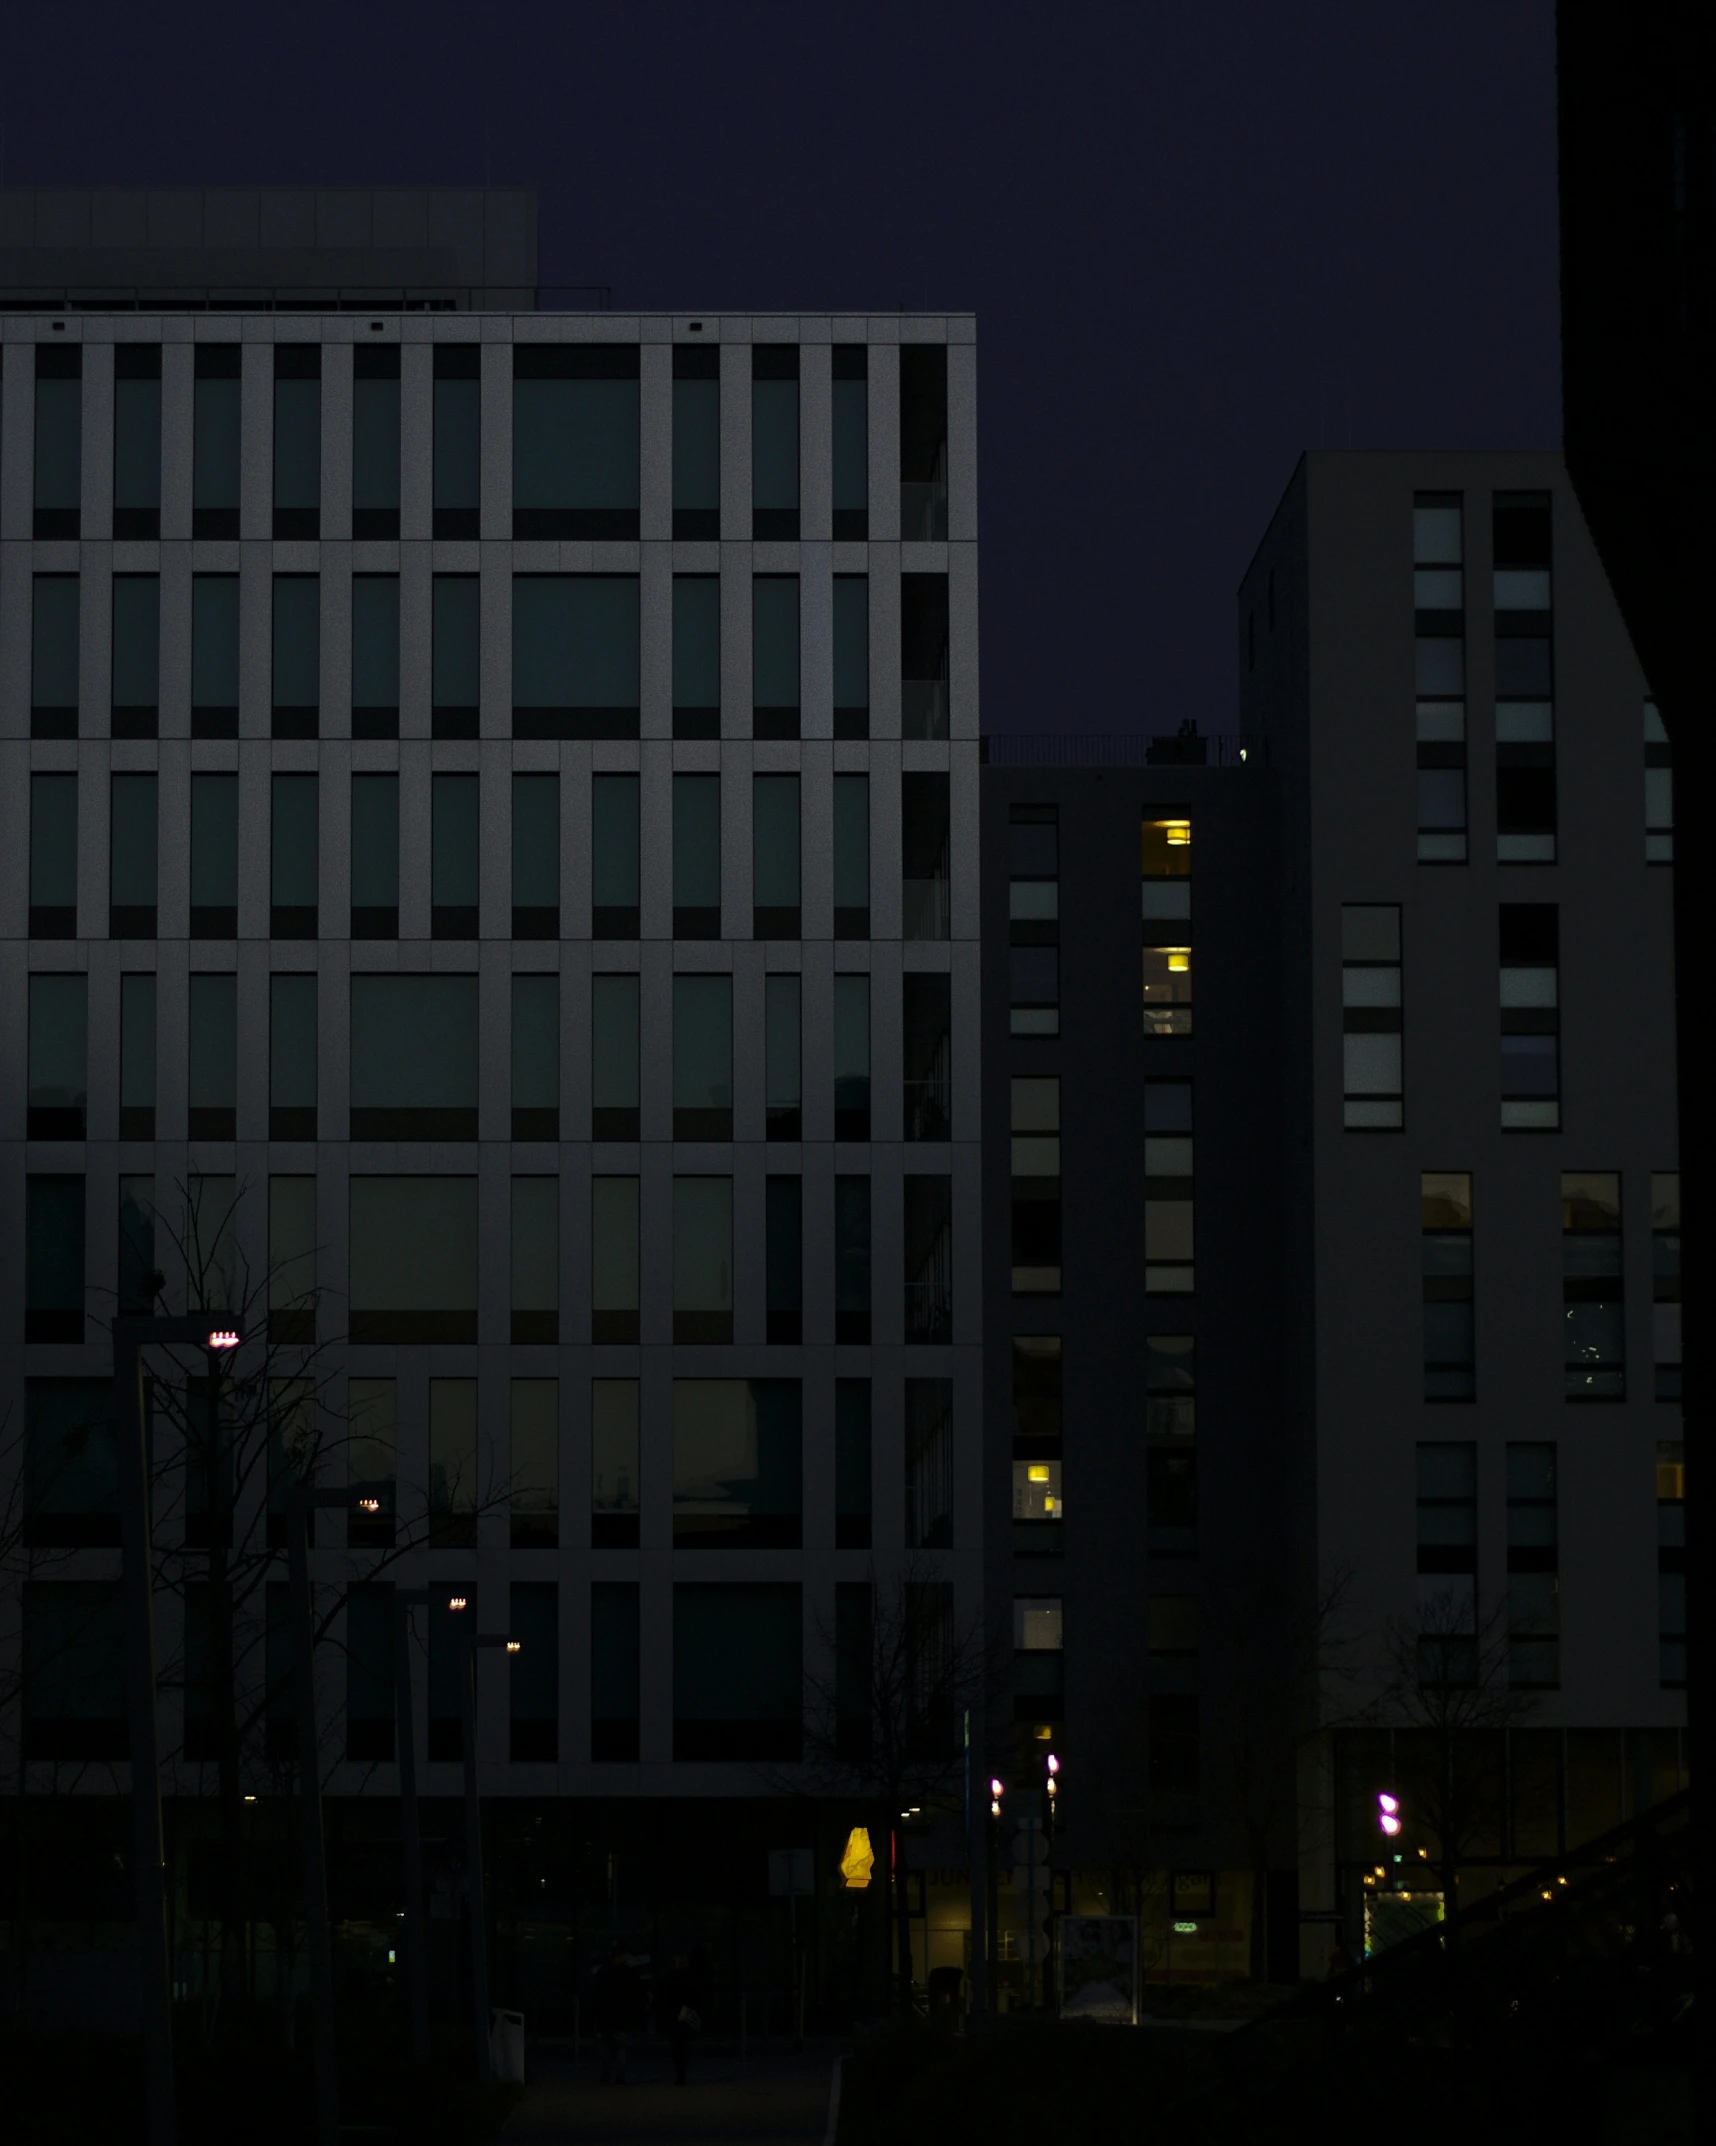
point(474, 1835)
point(405, 1600)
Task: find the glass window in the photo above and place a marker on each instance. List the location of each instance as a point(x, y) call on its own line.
point(214, 856)
point(137, 440)
point(297, 655)
point(139, 1255)
point(58, 1081)
point(372, 1456)
point(453, 1463)
point(923, 656)
point(851, 654)
point(214, 655)
point(1665, 1282)
point(455, 686)
point(929, 1258)
point(851, 428)
point(614, 1057)
point(375, 857)
point(533, 1673)
point(215, 456)
point(1038, 1624)
point(292, 1056)
point(696, 856)
point(1371, 1017)
point(297, 439)
point(703, 1259)
point(136, 682)
point(615, 1673)
point(783, 1100)
point(575, 656)
point(535, 1463)
point(71, 1464)
point(774, 656)
point(853, 1494)
point(1166, 905)
point(59, 439)
point(925, 838)
point(737, 1464)
point(1036, 1187)
point(536, 856)
point(783, 1259)
point(1530, 1018)
point(535, 1259)
point(775, 856)
point(291, 1259)
point(73, 1670)
point(929, 1464)
point(137, 1057)
point(696, 440)
point(575, 440)
point(369, 1671)
point(703, 1058)
point(213, 1066)
point(294, 857)
point(1593, 1295)
point(375, 440)
point(613, 1259)
point(535, 1057)
point(923, 442)
point(774, 441)
point(454, 860)
point(696, 655)
point(613, 1464)
point(852, 1055)
point(614, 856)
point(458, 439)
point(447, 1630)
point(375, 655)
point(414, 1057)
point(413, 1259)
point(54, 656)
point(53, 857)
point(738, 1671)
point(927, 1008)
point(53, 1258)
point(851, 1259)
point(1037, 1386)
point(1445, 1207)
point(852, 856)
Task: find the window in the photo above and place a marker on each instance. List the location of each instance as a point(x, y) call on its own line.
point(414, 1057)
point(71, 1481)
point(783, 1260)
point(297, 688)
point(923, 656)
point(1445, 1225)
point(613, 1464)
point(851, 654)
point(137, 1057)
point(703, 1058)
point(703, 1259)
point(574, 440)
point(697, 856)
point(132, 858)
point(214, 655)
point(738, 1671)
point(1533, 1559)
point(925, 839)
point(614, 1669)
point(1037, 1388)
point(1165, 896)
point(53, 857)
point(212, 1085)
point(1671, 1563)
point(1174, 1743)
point(575, 656)
point(369, 1671)
point(852, 1464)
point(929, 1258)
point(74, 1669)
point(458, 439)
point(1524, 660)
point(927, 1003)
point(456, 641)
point(696, 440)
point(1033, 919)
point(852, 856)
point(54, 656)
point(454, 865)
point(375, 655)
point(923, 443)
point(58, 1057)
point(534, 1463)
point(929, 1464)
point(1447, 1560)
point(137, 440)
point(535, 1259)
point(291, 1259)
point(453, 1463)
point(1037, 1507)
point(783, 1086)
point(1593, 1299)
point(851, 428)
point(1170, 1457)
point(375, 857)
point(1039, 1682)
point(214, 856)
point(1036, 1178)
point(1659, 788)
point(59, 440)
point(852, 1056)
point(291, 1451)
point(1665, 1281)
point(614, 1057)
point(613, 1259)
point(774, 442)
point(536, 856)
point(1371, 1062)
point(737, 1464)
point(139, 1273)
point(774, 656)
point(1530, 1017)
point(533, 1673)
point(211, 1243)
point(696, 655)
point(614, 856)
point(1169, 1207)
point(1438, 600)
point(375, 440)
point(215, 455)
point(297, 439)
point(136, 678)
point(535, 1057)
point(413, 1259)
point(774, 857)
point(1171, 1626)
point(53, 1258)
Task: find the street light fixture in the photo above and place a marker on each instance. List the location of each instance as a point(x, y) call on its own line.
point(405, 1600)
point(474, 1831)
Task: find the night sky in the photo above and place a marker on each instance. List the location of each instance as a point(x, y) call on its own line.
point(1199, 235)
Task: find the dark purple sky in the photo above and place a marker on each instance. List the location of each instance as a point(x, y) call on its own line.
point(1198, 234)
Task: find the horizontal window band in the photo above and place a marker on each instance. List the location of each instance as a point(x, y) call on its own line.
point(537, 524)
point(134, 719)
point(213, 921)
point(131, 921)
point(375, 923)
point(575, 725)
point(446, 1122)
point(293, 722)
point(775, 923)
point(608, 921)
point(375, 722)
point(611, 1122)
point(608, 1328)
point(292, 1121)
point(52, 722)
point(697, 525)
point(740, 1531)
point(375, 524)
point(574, 361)
point(1530, 1021)
point(1370, 1020)
point(214, 722)
point(455, 524)
point(410, 1328)
point(774, 525)
point(696, 722)
point(775, 724)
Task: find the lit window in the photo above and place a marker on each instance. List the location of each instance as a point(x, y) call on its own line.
point(1165, 866)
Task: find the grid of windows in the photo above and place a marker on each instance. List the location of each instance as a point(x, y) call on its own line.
point(1439, 622)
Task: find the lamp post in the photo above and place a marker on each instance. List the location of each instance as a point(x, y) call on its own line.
point(131, 1335)
point(302, 1501)
point(405, 1600)
point(474, 1832)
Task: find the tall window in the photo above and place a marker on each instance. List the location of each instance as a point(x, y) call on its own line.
point(53, 1258)
point(774, 857)
point(737, 1464)
point(293, 857)
point(1671, 1563)
point(1665, 1281)
point(1445, 1224)
point(1372, 1073)
point(536, 1056)
point(852, 856)
point(291, 1055)
point(297, 439)
point(1166, 906)
point(1170, 1456)
point(613, 1259)
point(535, 1259)
point(375, 440)
point(59, 440)
point(132, 849)
point(413, 1057)
point(137, 1057)
point(929, 1464)
point(136, 678)
point(783, 1064)
point(696, 440)
point(291, 1259)
point(1037, 1506)
point(614, 856)
point(458, 439)
point(927, 1049)
point(533, 1673)
point(215, 456)
point(1439, 617)
point(852, 1464)
point(1169, 1208)
point(703, 1259)
point(1447, 1560)
point(455, 681)
point(54, 656)
point(138, 1288)
point(851, 427)
point(923, 442)
point(58, 1081)
point(1530, 1017)
point(454, 874)
point(925, 849)
point(575, 440)
point(214, 856)
point(375, 655)
point(1533, 1561)
point(1593, 1297)
point(696, 856)
point(774, 441)
point(702, 1057)
point(137, 440)
point(214, 656)
point(575, 656)
point(53, 857)
point(783, 1259)
point(1658, 788)
point(852, 1283)
point(613, 1464)
point(614, 1057)
point(297, 683)
point(852, 1055)
point(774, 656)
point(1036, 1176)
point(851, 654)
point(536, 856)
point(212, 1071)
point(929, 1258)
point(1033, 919)
point(1525, 680)
point(375, 857)
point(615, 1671)
point(413, 1259)
point(924, 660)
point(697, 655)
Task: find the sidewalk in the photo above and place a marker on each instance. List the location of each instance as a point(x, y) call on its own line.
point(770, 2098)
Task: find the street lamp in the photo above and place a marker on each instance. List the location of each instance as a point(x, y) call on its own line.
point(132, 1333)
point(405, 1600)
point(474, 1830)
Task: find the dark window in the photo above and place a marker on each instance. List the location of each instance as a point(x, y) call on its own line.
point(1170, 1424)
point(737, 1464)
point(414, 1058)
point(852, 1056)
point(294, 857)
point(74, 1670)
point(923, 442)
point(696, 440)
point(614, 1671)
point(575, 440)
point(535, 1457)
point(575, 655)
point(535, 1259)
point(214, 856)
point(854, 1659)
point(375, 857)
point(613, 1259)
point(58, 1057)
point(454, 862)
point(852, 856)
point(1665, 1282)
point(536, 1057)
point(1033, 919)
point(375, 440)
point(923, 656)
point(534, 1672)
point(214, 655)
point(297, 655)
point(783, 1083)
point(297, 439)
point(929, 1258)
point(59, 440)
point(1037, 1388)
point(696, 656)
point(1173, 1731)
point(131, 858)
point(738, 1672)
point(783, 1259)
point(53, 856)
point(54, 656)
point(448, 1669)
point(703, 1058)
point(53, 1258)
point(851, 1259)
point(369, 1672)
point(774, 857)
point(215, 450)
point(614, 857)
point(703, 1259)
point(137, 1057)
point(697, 856)
point(292, 1056)
point(925, 836)
point(136, 683)
point(614, 1057)
point(1592, 1289)
point(851, 656)
point(458, 439)
point(774, 440)
point(1529, 944)
point(137, 440)
point(212, 1084)
point(71, 1465)
point(139, 1276)
point(613, 1464)
point(774, 656)
point(375, 655)
point(456, 662)
point(413, 1259)
point(853, 1495)
point(851, 425)
point(1533, 1559)
point(1371, 1040)
point(1445, 1207)
point(536, 856)
point(929, 1463)
point(928, 1043)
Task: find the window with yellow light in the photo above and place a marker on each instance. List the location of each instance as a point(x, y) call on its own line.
point(1165, 865)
